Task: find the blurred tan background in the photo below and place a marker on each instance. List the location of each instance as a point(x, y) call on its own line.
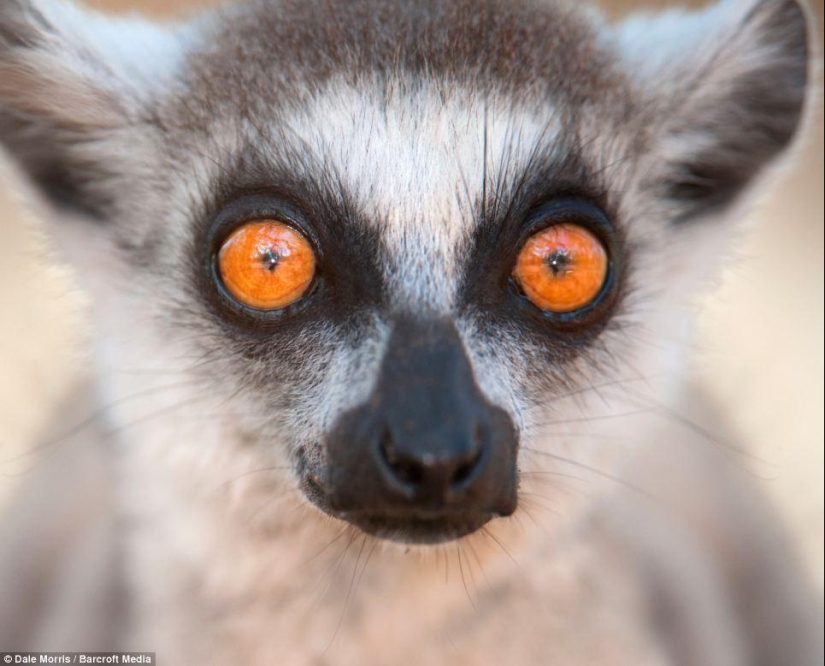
point(761, 347)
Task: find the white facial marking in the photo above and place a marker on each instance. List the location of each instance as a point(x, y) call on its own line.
point(414, 161)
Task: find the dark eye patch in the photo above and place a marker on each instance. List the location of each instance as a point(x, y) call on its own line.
point(557, 187)
point(348, 281)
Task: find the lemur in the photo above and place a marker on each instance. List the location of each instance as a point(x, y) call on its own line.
point(391, 307)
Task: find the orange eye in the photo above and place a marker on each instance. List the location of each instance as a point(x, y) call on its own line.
point(266, 265)
point(562, 268)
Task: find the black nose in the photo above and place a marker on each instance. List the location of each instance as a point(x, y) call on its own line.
point(427, 456)
point(432, 477)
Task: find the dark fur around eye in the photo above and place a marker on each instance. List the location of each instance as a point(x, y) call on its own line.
point(338, 296)
point(350, 282)
point(556, 189)
point(493, 293)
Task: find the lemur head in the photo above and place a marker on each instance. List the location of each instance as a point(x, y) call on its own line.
point(398, 240)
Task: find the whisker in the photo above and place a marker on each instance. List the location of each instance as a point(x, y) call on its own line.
point(91, 419)
point(589, 419)
point(249, 473)
point(346, 599)
point(532, 518)
point(606, 475)
point(332, 572)
point(366, 563)
point(463, 579)
point(702, 431)
point(109, 434)
point(474, 553)
point(321, 552)
point(268, 504)
point(538, 500)
point(486, 531)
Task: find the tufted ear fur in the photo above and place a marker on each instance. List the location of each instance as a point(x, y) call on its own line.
point(728, 85)
point(70, 78)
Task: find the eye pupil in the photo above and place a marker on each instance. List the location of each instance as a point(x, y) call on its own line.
point(559, 262)
point(270, 260)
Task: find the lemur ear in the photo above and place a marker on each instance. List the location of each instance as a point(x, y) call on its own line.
point(69, 78)
point(728, 86)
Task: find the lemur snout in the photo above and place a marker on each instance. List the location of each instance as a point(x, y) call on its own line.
point(427, 457)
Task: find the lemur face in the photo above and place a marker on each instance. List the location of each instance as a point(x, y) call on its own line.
point(409, 240)
point(406, 365)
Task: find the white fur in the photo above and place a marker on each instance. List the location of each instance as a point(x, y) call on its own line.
point(138, 57)
point(414, 162)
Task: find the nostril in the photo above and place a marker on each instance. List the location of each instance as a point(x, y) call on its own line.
point(435, 474)
point(404, 470)
point(464, 472)
point(409, 473)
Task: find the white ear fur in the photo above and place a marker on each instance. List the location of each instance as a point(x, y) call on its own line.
point(727, 85)
point(79, 67)
point(67, 77)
